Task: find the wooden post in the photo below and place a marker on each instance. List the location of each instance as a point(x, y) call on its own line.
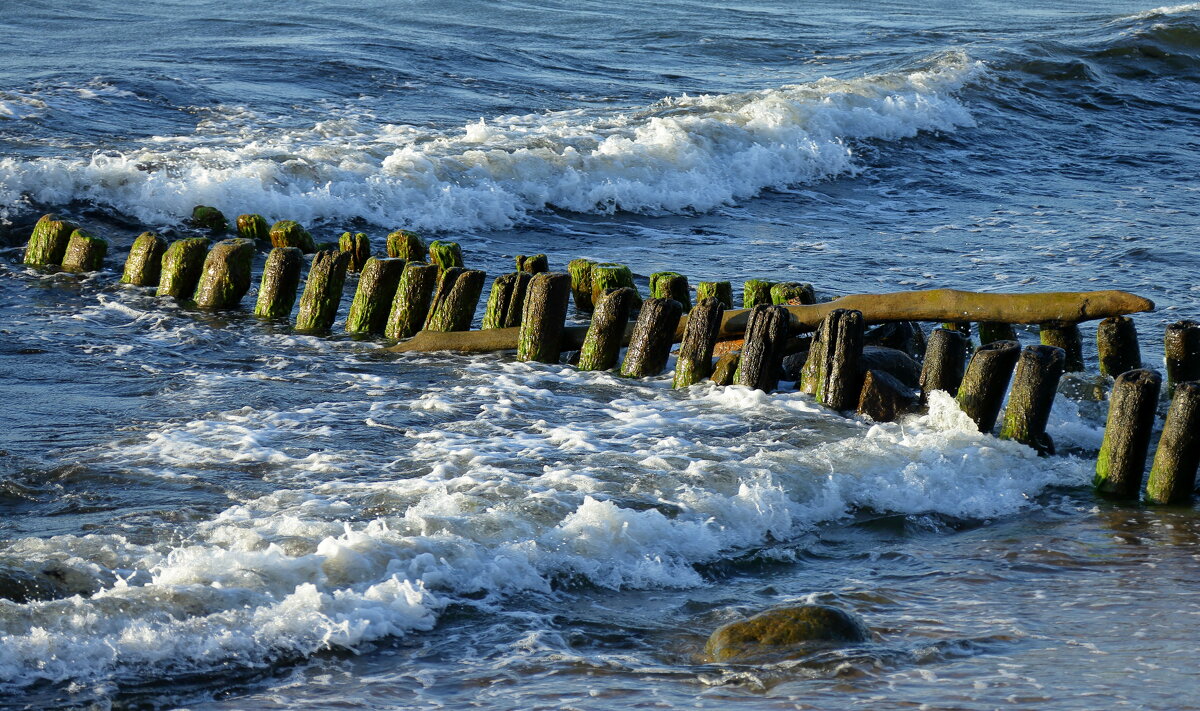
point(359, 247)
point(373, 298)
point(143, 266)
point(506, 302)
point(1034, 386)
point(411, 304)
point(85, 252)
point(945, 362)
point(581, 283)
point(602, 344)
point(182, 264)
point(280, 280)
point(455, 300)
point(762, 351)
point(981, 393)
point(755, 292)
point(1182, 351)
point(650, 345)
point(671, 285)
point(1117, 344)
point(833, 373)
point(1067, 337)
point(225, 278)
point(48, 243)
point(608, 275)
point(1122, 458)
point(253, 227)
point(543, 317)
point(209, 218)
point(992, 331)
point(791, 292)
point(532, 264)
point(289, 233)
point(694, 362)
point(323, 291)
point(445, 255)
point(725, 371)
point(402, 244)
point(721, 290)
point(1173, 474)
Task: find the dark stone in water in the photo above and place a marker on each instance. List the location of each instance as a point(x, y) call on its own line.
point(785, 633)
point(884, 398)
point(896, 363)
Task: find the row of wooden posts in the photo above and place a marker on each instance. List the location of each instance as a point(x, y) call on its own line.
point(402, 294)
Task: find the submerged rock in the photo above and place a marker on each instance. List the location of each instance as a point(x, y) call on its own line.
point(783, 633)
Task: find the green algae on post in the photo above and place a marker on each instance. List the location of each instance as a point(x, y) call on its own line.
point(454, 302)
point(543, 317)
point(762, 350)
point(254, 227)
point(48, 243)
point(373, 298)
point(225, 278)
point(1173, 474)
point(650, 345)
point(182, 264)
point(1117, 345)
point(945, 361)
point(725, 369)
point(1181, 346)
point(1039, 369)
point(756, 292)
point(992, 331)
point(411, 304)
point(778, 634)
point(323, 291)
point(532, 264)
point(720, 290)
point(694, 362)
point(609, 275)
point(581, 283)
point(445, 255)
point(1122, 459)
point(834, 371)
point(143, 266)
point(289, 233)
point(602, 342)
point(671, 285)
point(981, 393)
point(793, 293)
point(1067, 337)
point(280, 280)
point(209, 218)
point(85, 252)
point(506, 300)
point(406, 245)
point(359, 247)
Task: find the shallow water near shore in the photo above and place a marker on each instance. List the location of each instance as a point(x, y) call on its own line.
point(205, 510)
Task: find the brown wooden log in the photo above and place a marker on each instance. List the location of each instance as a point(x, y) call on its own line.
point(762, 354)
point(1181, 345)
point(1067, 337)
point(601, 346)
point(933, 305)
point(1173, 474)
point(506, 302)
point(694, 362)
point(945, 362)
point(833, 373)
point(542, 319)
point(1122, 459)
point(650, 345)
point(1117, 345)
point(1032, 396)
point(981, 393)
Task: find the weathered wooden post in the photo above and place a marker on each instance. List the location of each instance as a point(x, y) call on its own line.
point(1067, 337)
point(48, 243)
point(581, 283)
point(720, 290)
point(374, 296)
point(506, 302)
point(406, 245)
point(650, 345)
point(410, 307)
point(791, 292)
point(671, 285)
point(945, 362)
point(602, 344)
point(323, 291)
point(1181, 347)
point(543, 317)
point(1034, 385)
point(1173, 474)
point(992, 331)
point(725, 369)
point(280, 280)
point(289, 233)
point(454, 303)
point(1117, 345)
point(981, 393)
point(182, 264)
point(762, 350)
point(533, 263)
point(209, 218)
point(225, 278)
point(694, 362)
point(1122, 458)
point(359, 247)
point(253, 227)
point(833, 373)
point(85, 252)
point(755, 292)
point(608, 275)
point(143, 266)
point(446, 255)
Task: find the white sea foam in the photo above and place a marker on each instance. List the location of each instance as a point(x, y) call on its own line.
point(682, 154)
point(1166, 10)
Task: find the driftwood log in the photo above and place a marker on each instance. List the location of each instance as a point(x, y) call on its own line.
point(935, 305)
